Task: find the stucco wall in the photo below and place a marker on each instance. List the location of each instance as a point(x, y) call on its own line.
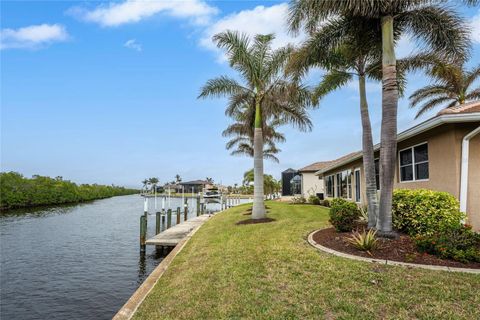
point(444, 153)
point(311, 184)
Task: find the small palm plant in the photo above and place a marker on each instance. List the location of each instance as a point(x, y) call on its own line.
point(364, 241)
point(452, 86)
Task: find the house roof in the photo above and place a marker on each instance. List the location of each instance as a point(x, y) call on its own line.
point(195, 182)
point(469, 107)
point(315, 166)
point(461, 114)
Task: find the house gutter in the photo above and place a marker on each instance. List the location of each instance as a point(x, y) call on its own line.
point(464, 168)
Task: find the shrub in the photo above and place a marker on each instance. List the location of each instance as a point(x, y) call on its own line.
point(314, 200)
point(299, 200)
point(325, 203)
point(343, 214)
point(424, 211)
point(364, 241)
point(458, 243)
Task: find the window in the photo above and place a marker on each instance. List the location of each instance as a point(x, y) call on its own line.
point(357, 185)
point(377, 173)
point(414, 163)
point(330, 186)
point(339, 185)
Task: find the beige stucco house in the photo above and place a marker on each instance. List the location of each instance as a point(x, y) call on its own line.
point(441, 153)
point(311, 184)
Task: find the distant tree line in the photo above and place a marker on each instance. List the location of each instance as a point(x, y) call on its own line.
point(17, 191)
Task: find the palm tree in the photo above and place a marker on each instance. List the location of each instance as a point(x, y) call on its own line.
point(209, 180)
point(153, 182)
point(145, 184)
point(356, 54)
point(437, 26)
point(178, 179)
point(264, 90)
point(451, 87)
point(242, 132)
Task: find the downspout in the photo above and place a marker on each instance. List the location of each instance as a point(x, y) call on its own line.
point(464, 169)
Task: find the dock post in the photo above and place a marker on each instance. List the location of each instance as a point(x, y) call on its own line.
point(157, 223)
point(169, 218)
point(178, 215)
point(198, 206)
point(185, 213)
point(143, 233)
point(202, 208)
point(162, 215)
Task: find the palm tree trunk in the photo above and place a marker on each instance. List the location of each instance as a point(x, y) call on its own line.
point(388, 135)
point(258, 211)
point(368, 156)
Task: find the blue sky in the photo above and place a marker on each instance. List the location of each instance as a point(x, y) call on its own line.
point(106, 92)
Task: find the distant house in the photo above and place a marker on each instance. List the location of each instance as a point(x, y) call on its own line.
point(311, 184)
point(195, 186)
point(441, 153)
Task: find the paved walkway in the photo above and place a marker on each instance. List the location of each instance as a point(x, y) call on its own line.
point(172, 236)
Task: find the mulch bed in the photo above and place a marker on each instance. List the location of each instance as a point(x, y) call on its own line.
point(402, 249)
point(255, 221)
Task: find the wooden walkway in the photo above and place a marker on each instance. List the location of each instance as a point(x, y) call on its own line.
point(172, 236)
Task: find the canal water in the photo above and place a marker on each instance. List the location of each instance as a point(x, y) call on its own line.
point(76, 262)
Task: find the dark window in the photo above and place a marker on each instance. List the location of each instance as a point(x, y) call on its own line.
point(330, 183)
point(377, 173)
point(357, 185)
point(339, 185)
point(414, 163)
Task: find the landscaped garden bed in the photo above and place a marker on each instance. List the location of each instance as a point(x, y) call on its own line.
point(428, 225)
point(401, 249)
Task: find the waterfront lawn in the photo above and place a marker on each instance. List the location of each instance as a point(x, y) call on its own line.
point(269, 271)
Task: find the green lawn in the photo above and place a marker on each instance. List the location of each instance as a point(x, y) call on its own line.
point(269, 271)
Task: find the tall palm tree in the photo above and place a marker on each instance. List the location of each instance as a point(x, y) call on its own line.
point(242, 133)
point(153, 182)
point(429, 21)
point(355, 54)
point(178, 179)
point(145, 184)
point(452, 86)
point(264, 90)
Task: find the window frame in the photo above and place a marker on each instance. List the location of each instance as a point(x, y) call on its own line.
point(327, 179)
point(357, 185)
point(413, 164)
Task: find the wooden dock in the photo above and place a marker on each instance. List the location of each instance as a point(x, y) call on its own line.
point(172, 236)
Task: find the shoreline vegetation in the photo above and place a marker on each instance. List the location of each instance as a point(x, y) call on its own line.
point(21, 192)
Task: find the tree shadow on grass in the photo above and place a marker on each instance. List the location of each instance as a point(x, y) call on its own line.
point(255, 221)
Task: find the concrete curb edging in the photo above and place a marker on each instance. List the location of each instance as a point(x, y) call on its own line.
point(127, 311)
point(384, 261)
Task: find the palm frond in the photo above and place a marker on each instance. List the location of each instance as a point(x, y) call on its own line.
point(221, 87)
point(331, 82)
point(439, 28)
point(432, 104)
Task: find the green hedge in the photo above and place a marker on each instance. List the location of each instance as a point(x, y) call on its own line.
point(343, 214)
point(424, 211)
point(17, 191)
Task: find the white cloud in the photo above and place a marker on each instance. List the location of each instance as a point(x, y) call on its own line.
point(131, 11)
point(261, 19)
point(475, 25)
point(133, 44)
point(34, 36)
